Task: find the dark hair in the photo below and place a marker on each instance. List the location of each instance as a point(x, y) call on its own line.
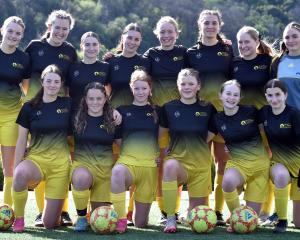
point(141, 75)
point(283, 48)
point(82, 112)
point(189, 72)
point(89, 34)
point(129, 27)
point(273, 83)
point(37, 100)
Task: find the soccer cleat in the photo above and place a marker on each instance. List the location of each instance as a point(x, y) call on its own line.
point(271, 221)
point(183, 219)
point(121, 225)
point(163, 218)
point(81, 224)
point(220, 220)
point(65, 219)
point(38, 222)
point(129, 219)
point(19, 225)
point(280, 226)
point(171, 225)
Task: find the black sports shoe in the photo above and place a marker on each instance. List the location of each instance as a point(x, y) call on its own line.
point(65, 219)
point(163, 218)
point(220, 220)
point(280, 226)
point(271, 221)
point(38, 222)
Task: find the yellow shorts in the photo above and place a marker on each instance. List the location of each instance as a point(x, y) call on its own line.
point(256, 182)
point(56, 179)
point(8, 129)
point(145, 181)
point(294, 191)
point(100, 190)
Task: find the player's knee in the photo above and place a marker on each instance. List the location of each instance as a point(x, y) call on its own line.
point(117, 173)
point(21, 176)
point(228, 184)
point(170, 166)
point(81, 179)
point(281, 179)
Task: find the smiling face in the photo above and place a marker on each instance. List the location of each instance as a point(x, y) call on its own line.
point(167, 35)
point(141, 92)
point(276, 98)
point(59, 31)
point(95, 101)
point(230, 96)
point(12, 34)
point(247, 46)
point(188, 87)
point(131, 41)
point(90, 47)
point(51, 84)
point(291, 39)
point(209, 26)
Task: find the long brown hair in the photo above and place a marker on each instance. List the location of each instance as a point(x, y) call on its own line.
point(283, 48)
point(129, 27)
point(82, 112)
point(37, 100)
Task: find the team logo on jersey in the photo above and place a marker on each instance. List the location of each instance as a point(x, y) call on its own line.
point(260, 67)
point(201, 114)
point(198, 55)
point(102, 126)
point(236, 69)
point(149, 114)
point(291, 65)
point(223, 127)
point(157, 59)
point(41, 53)
point(223, 54)
point(116, 67)
point(62, 110)
point(76, 73)
point(100, 74)
point(179, 58)
point(63, 57)
point(285, 125)
point(246, 122)
point(128, 114)
point(265, 123)
point(177, 114)
point(39, 113)
point(17, 65)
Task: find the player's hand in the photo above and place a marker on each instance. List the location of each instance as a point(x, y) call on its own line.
point(107, 56)
point(117, 117)
point(227, 41)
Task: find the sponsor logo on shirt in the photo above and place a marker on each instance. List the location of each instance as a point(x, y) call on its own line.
point(17, 65)
point(260, 67)
point(62, 110)
point(99, 74)
point(246, 122)
point(64, 57)
point(291, 65)
point(137, 67)
point(177, 114)
point(285, 125)
point(149, 114)
point(178, 58)
point(223, 54)
point(102, 126)
point(201, 114)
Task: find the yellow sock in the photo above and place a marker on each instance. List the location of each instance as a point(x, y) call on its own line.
point(232, 200)
point(267, 205)
point(81, 198)
point(40, 196)
point(169, 190)
point(119, 202)
point(281, 201)
point(178, 199)
point(20, 199)
point(66, 204)
point(131, 200)
point(7, 190)
point(219, 196)
point(160, 203)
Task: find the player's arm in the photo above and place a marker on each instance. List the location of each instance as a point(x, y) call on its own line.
point(210, 136)
point(21, 145)
point(25, 86)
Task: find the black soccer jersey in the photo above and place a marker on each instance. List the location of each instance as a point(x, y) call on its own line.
point(283, 133)
point(164, 69)
point(252, 75)
point(49, 127)
point(14, 68)
point(94, 145)
point(80, 74)
point(188, 126)
point(42, 54)
point(242, 137)
point(139, 134)
point(214, 66)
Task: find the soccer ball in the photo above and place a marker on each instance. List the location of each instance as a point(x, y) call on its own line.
point(243, 220)
point(202, 219)
point(103, 220)
point(7, 217)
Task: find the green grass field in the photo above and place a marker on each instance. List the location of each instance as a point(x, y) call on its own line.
point(153, 232)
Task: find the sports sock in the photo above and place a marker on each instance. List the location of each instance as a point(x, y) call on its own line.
point(219, 196)
point(40, 196)
point(169, 190)
point(131, 200)
point(81, 198)
point(66, 204)
point(119, 202)
point(267, 205)
point(19, 199)
point(281, 201)
point(178, 199)
point(232, 200)
point(7, 190)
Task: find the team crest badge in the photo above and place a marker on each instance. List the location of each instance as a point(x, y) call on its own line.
point(76, 73)
point(41, 53)
point(177, 114)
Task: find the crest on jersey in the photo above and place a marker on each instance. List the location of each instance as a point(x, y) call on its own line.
point(41, 53)
point(38, 113)
point(177, 114)
point(116, 67)
point(223, 127)
point(157, 59)
point(236, 69)
point(198, 55)
point(76, 73)
point(128, 114)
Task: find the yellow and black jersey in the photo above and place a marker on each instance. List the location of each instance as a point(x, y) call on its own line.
point(139, 134)
point(94, 145)
point(42, 54)
point(242, 137)
point(120, 70)
point(252, 75)
point(188, 126)
point(283, 133)
point(214, 64)
point(164, 68)
point(48, 126)
point(14, 68)
point(80, 74)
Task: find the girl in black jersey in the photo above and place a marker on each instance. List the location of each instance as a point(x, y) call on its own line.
point(15, 70)
point(46, 117)
point(93, 136)
point(282, 127)
point(52, 48)
point(212, 58)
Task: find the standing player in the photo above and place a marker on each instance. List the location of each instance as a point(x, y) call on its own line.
point(51, 49)
point(46, 117)
point(92, 165)
point(138, 137)
point(15, 68)
point(212, 58)
point(282, 126)
point(189, 160)
point(248, 163)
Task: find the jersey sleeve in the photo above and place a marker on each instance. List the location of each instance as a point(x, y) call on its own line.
point(211, 124)
point(27, 69)
point(257, 115)
point(23, 118)
point(163, 119)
